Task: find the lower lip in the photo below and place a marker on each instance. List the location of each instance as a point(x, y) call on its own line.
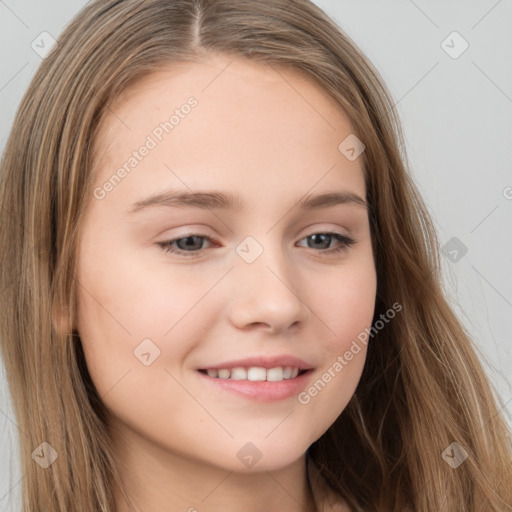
point(263, 391)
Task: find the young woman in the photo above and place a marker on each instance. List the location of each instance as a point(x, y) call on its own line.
point(220, 288)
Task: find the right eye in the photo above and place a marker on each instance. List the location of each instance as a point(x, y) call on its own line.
point(188, 245)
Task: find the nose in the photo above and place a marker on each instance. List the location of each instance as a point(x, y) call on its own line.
point(267, 294)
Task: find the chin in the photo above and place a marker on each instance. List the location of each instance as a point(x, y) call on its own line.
point(262, 454)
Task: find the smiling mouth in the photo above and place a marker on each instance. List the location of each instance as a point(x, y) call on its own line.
point(254, 373)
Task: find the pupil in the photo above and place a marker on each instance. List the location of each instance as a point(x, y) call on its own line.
point(322, 235)
point(189, 242)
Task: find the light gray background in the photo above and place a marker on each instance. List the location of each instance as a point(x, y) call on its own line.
point(457, 117)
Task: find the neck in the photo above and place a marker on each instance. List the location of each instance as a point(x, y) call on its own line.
point(159, 481)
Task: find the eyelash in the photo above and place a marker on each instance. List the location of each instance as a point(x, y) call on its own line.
point(345, 243)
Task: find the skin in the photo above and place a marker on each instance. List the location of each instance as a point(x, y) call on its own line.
point(271, 137)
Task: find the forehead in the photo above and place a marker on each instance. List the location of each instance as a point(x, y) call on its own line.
point(249, 119)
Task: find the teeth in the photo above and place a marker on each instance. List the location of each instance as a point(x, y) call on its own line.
point(255, 373)
point(275, 374)
point(224, 374)
point(238, 374)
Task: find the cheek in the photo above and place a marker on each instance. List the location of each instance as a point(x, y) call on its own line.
point(347, 302)
point(128, 363)
point(127, 287)
point(330, 391)
point(348, 308)
point(131, 313)
point(128, 298)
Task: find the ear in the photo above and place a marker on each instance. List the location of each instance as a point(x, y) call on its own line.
point(62, 320)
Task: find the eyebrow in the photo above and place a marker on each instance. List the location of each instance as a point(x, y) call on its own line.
point(226, 201)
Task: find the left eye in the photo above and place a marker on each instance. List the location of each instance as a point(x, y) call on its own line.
point(190, 245)
point(327, 238)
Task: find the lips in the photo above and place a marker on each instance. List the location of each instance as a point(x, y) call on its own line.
point(261, 377)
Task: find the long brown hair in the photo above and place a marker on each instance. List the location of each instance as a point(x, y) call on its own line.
point(422, 388)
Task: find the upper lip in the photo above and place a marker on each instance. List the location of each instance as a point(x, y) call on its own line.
point(263, 362)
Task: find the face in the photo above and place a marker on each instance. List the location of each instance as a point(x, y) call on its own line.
point(265, 284)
